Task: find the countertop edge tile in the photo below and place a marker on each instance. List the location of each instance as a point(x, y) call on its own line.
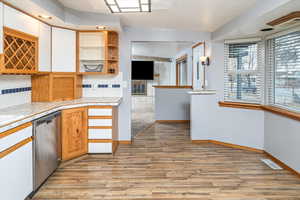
point(34, 111)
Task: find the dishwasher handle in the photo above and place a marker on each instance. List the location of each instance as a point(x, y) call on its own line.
point(47, 119)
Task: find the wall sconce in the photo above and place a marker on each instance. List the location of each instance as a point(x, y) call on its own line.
point(204, 60)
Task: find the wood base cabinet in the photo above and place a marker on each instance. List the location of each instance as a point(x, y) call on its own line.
point(74, 133)
point(49, 87)
point(102, 129)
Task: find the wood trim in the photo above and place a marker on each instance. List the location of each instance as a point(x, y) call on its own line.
point(198, 44)
point(1, 61)
point(172, 121)
point(240, 105)
point(100, 127)
point(272, 109)
point(285, 18)
point(13, 130)
point(234, 146)
point(174, 86)
point(115, 145)
point(100, 141)
point(182, 58)
point(282, 164)
point(282, 112)
point(200, 141)
point(19, 34)
point(15, 147)
point(101, 107)
point(125, 142)
point(100, 117)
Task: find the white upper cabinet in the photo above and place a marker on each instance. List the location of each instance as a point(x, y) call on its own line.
point(17, 20)
point(1, 27)
point(45, 48)
point(63, 50)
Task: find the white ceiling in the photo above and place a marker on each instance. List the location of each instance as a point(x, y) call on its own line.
point(159, 49)
point(194, 15)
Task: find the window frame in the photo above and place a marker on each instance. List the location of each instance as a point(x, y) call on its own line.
point(259, 72)
point(271, 68)
point(180, 60)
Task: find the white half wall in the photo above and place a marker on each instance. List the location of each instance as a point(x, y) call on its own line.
point(172, 104)
point(282, 139)
point(230, 125)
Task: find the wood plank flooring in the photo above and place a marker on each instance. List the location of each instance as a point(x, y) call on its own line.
point(162, 163)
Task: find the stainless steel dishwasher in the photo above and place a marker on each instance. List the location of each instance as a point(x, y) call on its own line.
point(47, 147)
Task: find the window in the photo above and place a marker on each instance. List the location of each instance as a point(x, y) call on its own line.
point(284, 67)
point(181, 71)
point(243, 72)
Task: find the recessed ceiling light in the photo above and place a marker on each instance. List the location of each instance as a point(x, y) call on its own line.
point(45, 17)
point(100, 27)
point(128, 6)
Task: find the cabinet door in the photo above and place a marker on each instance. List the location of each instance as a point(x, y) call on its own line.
point(74, 133)
point(45, 48)
point(63, 50)
point(17, 20)
point(1, 27)
point(16, 174)
point(16, 170)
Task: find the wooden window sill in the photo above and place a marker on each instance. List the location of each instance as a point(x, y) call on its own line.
point(282, 112)
point(272, 109)
point(240, 105)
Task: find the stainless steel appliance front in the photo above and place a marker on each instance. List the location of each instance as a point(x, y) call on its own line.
point(47, 147)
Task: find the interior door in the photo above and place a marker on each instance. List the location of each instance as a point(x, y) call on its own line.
point(74, 133)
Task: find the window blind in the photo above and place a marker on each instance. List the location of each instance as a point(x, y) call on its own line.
point(283, 71)
point(244, 72)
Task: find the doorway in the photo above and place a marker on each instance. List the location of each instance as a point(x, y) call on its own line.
point(154, 64)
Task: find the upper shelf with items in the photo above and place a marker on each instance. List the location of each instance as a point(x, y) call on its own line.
point(97, 52)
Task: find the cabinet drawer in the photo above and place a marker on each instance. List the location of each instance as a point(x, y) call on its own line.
point(100, 147)
point(100, 134)
point(100, 112)
point(15, 137)
point(100, 122)
point(16, 173)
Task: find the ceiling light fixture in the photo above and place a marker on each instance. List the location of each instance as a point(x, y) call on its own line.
point(45, 17)
point(128, 6)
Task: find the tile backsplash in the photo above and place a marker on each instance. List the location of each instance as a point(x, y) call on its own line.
point(103, 86)
point(14, 90)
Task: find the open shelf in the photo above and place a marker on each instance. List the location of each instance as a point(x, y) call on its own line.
point(99, 51)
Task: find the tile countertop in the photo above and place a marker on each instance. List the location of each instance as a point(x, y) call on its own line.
point(14, 116)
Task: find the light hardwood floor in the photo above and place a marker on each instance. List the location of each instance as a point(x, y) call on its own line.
point(163, 164)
